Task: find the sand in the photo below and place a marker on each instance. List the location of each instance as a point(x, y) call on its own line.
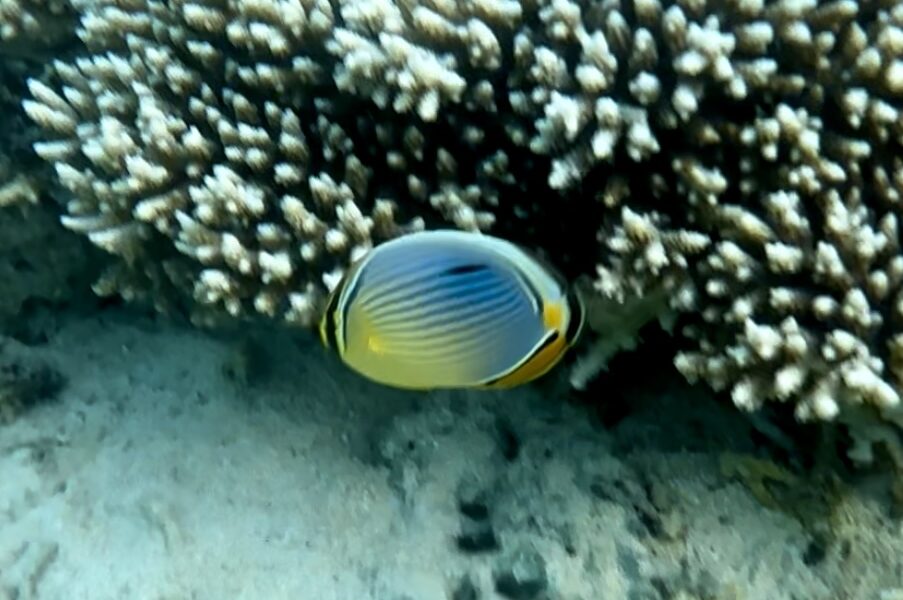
point(176, 463)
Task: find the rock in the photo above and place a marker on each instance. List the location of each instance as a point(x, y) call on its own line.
point(477, 533)
point(24, 380)
point(521, 575)
point(477, 536)
point(473, 498)
point(466, 590)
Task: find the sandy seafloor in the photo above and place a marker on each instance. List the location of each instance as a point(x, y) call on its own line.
point(179, 464)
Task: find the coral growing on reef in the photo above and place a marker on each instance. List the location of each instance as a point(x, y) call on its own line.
point(794, 296)
point(27, 26)
point(38, 259)
point(739, 162)
point(17, 161)
point(769, 138)
point(207, 145)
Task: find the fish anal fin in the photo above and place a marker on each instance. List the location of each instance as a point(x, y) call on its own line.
point(536, 365)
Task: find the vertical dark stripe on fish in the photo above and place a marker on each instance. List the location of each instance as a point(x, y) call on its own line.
point(576, 316)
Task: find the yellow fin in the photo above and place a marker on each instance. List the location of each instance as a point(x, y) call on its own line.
point(535, 366)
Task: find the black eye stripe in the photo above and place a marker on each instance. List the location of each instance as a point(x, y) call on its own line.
point(330, 331)
point(577, 317)
point(329, 317)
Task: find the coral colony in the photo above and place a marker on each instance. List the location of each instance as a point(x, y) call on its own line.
point(745, 161)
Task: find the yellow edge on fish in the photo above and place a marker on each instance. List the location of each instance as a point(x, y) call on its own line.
point(451, 309)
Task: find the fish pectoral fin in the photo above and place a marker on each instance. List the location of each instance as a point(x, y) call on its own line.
point(375, 344)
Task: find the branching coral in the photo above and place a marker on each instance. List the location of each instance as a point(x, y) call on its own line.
point(18, 184)
point(26, 26)
point(207, 144)
point(771, 136)
point(30, 30)
point(737, 162)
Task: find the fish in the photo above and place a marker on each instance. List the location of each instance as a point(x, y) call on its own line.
point(448, 309)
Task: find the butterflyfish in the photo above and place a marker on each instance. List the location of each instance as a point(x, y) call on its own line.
point(451, 309)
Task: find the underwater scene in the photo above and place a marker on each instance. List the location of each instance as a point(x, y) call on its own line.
point(451, 299)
